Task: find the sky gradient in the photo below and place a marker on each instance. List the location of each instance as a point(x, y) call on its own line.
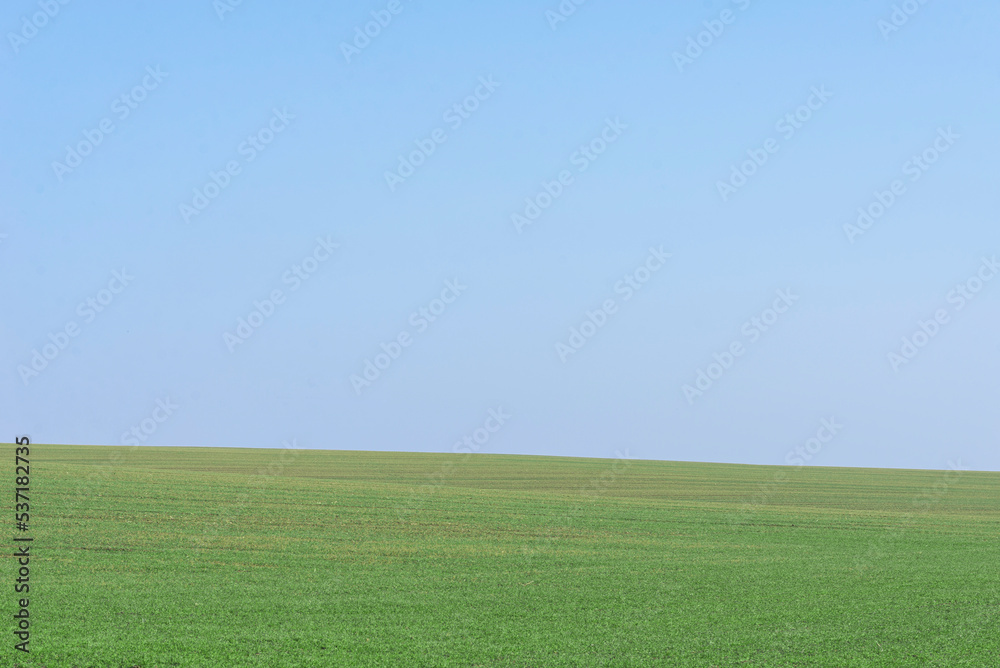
point(263, 204)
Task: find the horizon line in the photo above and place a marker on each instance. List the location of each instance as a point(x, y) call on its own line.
point(510, 454)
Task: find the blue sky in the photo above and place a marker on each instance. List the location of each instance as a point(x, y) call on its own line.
point(610, 122)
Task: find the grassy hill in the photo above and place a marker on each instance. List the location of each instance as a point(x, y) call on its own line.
point(231, 557)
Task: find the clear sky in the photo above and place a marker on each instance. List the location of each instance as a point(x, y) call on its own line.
point(167, 169)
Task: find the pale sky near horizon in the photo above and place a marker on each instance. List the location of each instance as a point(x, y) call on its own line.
point(456, 196)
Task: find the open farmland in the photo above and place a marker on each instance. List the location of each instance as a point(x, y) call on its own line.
point(229, 557)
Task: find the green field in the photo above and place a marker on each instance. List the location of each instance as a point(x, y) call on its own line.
point(229, 557)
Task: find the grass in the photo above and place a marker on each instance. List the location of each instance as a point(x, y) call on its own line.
point(228, 557)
